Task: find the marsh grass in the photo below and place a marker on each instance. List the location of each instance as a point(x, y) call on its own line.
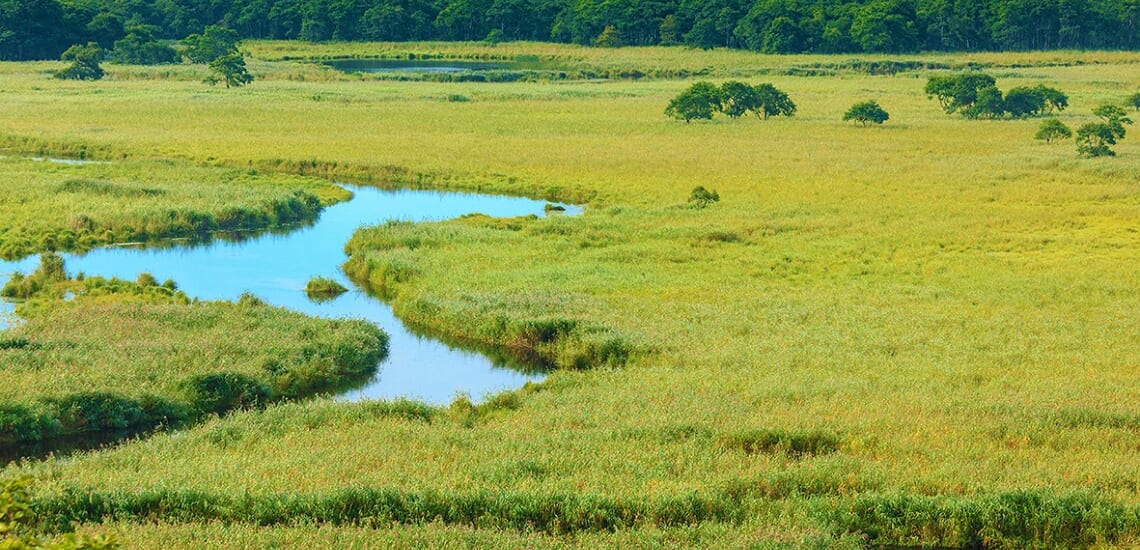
point(56, 206)
point(323, 289)
point(128, 357)
point(948, 303)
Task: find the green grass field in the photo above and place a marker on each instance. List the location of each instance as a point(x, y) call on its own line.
point(917, 334)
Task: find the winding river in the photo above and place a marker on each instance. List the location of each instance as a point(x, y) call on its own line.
point(276, 267)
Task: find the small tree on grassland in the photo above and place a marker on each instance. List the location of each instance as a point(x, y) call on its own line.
point(866, 112)
point(1115, 117)
point(773, 102)
point(1095, 140)
point(1134, 101)
point(1052, 129)
point(84, 62)
point(701, 197)
point(230, 69)
point(698, 101)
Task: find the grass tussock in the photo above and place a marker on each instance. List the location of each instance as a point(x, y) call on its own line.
point(323, 288)
point(795, 444)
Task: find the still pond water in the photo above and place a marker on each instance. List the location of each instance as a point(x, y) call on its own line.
point(434, 65)
point(277, 267)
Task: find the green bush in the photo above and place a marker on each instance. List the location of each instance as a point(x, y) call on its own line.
point(323, 288)
point(554, 513)
point(19, 423)
point(796, 444)
point(1019, 519)
point(221, 392)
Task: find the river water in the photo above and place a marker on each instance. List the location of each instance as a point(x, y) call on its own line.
point(276, 267)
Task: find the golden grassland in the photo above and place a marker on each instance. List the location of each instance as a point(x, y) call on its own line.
point(936, 317)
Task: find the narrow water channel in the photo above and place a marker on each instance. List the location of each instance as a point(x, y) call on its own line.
point(276, 267)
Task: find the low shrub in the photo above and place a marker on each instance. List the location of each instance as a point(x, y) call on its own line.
point(1018, 519)
point(221, 392)
point(554, 513)
point(796, 444)
point(19, 423)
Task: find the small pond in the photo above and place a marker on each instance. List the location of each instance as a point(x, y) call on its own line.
point(433, 65)
point(276, 267)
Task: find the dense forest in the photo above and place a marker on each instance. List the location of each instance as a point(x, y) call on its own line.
point(42, 29)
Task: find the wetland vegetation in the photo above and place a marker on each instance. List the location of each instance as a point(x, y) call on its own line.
point(919, 334)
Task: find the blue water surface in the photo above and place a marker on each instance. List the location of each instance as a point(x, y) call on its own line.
point(277, 267)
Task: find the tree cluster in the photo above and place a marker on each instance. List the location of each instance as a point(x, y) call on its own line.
point(43, 29)
point(976, 95)
point(733, 98)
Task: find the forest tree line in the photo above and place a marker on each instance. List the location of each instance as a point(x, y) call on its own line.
point(42, 29)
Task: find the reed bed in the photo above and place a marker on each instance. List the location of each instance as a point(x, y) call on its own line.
point(921, 334)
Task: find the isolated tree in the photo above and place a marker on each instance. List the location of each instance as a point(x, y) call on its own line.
point(84, 62)
point(1134, 101)
point(1052, 129)
point(230, 69)
point(1115, 117)
point(772, 102)
point(214, 42)
point(866, 113)
point(1096, 139)
point(698, 101)
point(701, 197)
point(738, 98)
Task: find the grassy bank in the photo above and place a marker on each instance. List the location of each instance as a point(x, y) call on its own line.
point(126, 357)
point(52, 205)
point(915, 334)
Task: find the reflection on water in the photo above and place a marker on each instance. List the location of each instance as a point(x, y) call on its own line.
point(63, 446)
point(276, 268)
point(439, 65)
point(413, 66)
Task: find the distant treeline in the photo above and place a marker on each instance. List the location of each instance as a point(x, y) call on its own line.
point(42, 29)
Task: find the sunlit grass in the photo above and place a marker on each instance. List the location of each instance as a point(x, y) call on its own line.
point(125, 356)
point(951, 304)
point(54, 205)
